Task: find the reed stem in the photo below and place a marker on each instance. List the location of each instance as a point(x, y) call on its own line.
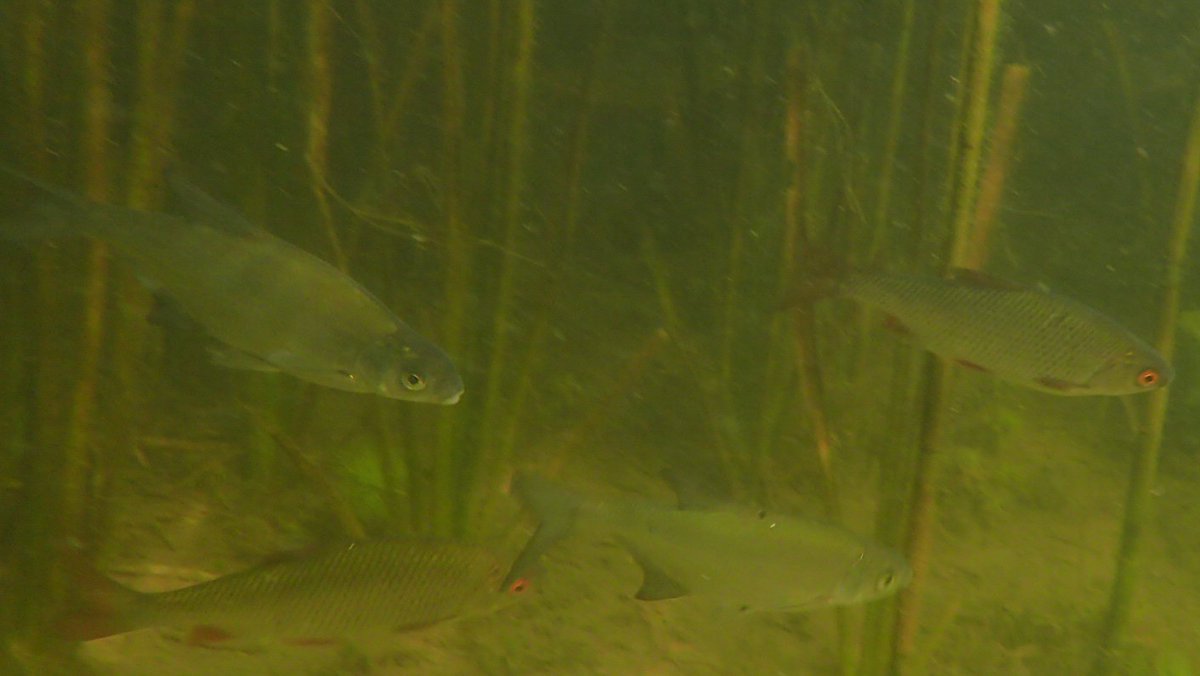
point(991, 186)
point(325, 485)
point(80, 458)
point(974, 126)
point(1138, 502)
point(439, 517)
point(937, 377)
point(883, 200)
point(520, 84)
point(320, 90)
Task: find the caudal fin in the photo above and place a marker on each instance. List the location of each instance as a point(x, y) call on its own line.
point(555, 507)
point(818, 276)
point(97, 607)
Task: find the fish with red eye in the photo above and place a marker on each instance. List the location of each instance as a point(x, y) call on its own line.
point(1148, 378)
point(1015, 332)
point(519, 586)
point(315, 596)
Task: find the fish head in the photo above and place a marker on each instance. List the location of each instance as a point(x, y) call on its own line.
point(878, 572)
point(403, 365)
point(1139, 368)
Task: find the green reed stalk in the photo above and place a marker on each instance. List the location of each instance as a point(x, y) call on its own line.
point(693, 362)
point(749, 175)
point(1138, 502)
point(25, 550)
point(795, 141)
point(372, 51)
point(883, 199)
point(162, 41)
point(388, 448)
point(559, 246)
point(47, 413)
point(796, 241)
point(896, 469)
point(391, 109)
point(975, 127)
point(439, 518)
point(938, 378)
point(991, 186)
point(320, 91)
point(64, 483)
point(97, 119)
point(321, 479)
point(521, 74)
point(1132, 100)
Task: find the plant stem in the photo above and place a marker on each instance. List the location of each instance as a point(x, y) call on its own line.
point(320, 89)
point(974, 126)
point(521, 74)
point(1138, 502)
point(892, 136)
point(458, 273)
point(991, 186)
point(937, 377)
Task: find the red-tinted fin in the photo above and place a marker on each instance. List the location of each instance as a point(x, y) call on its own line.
point(311, 642)
point(1058, 384)
point(893, 323)
point(983, 280)
point(807, 292)
point(966, 363)
point(206, 634)
point(98, 607)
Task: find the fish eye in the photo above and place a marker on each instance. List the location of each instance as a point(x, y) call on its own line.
point(884, 581)
point(519, 586)
point(414, 382)
point(1148, 378)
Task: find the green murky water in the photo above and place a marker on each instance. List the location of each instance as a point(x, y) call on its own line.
point(595, 208)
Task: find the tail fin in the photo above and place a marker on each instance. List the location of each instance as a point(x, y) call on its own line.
point(99, 607)
point(818, 277)
point(555, 507)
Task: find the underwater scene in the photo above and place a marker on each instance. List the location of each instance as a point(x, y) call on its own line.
point(599, 337)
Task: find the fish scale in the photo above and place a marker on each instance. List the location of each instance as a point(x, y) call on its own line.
point(1038, 339)
point(324, 594)
point(267, 305)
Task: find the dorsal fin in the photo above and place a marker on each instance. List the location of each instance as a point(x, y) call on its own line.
point(215, 214)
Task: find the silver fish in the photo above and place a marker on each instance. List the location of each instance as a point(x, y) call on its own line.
point(736, 557)
point(307, 597)
point(1023, 335)
point(273, 306)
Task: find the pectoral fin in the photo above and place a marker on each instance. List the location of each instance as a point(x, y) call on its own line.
point(233, 358)
point(657, 585)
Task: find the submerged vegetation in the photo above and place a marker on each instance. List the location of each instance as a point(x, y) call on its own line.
point(595, 209)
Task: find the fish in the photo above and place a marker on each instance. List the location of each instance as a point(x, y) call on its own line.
point(314, 596)
point(733, 556)
point(269, 305)
point(1020, 334)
